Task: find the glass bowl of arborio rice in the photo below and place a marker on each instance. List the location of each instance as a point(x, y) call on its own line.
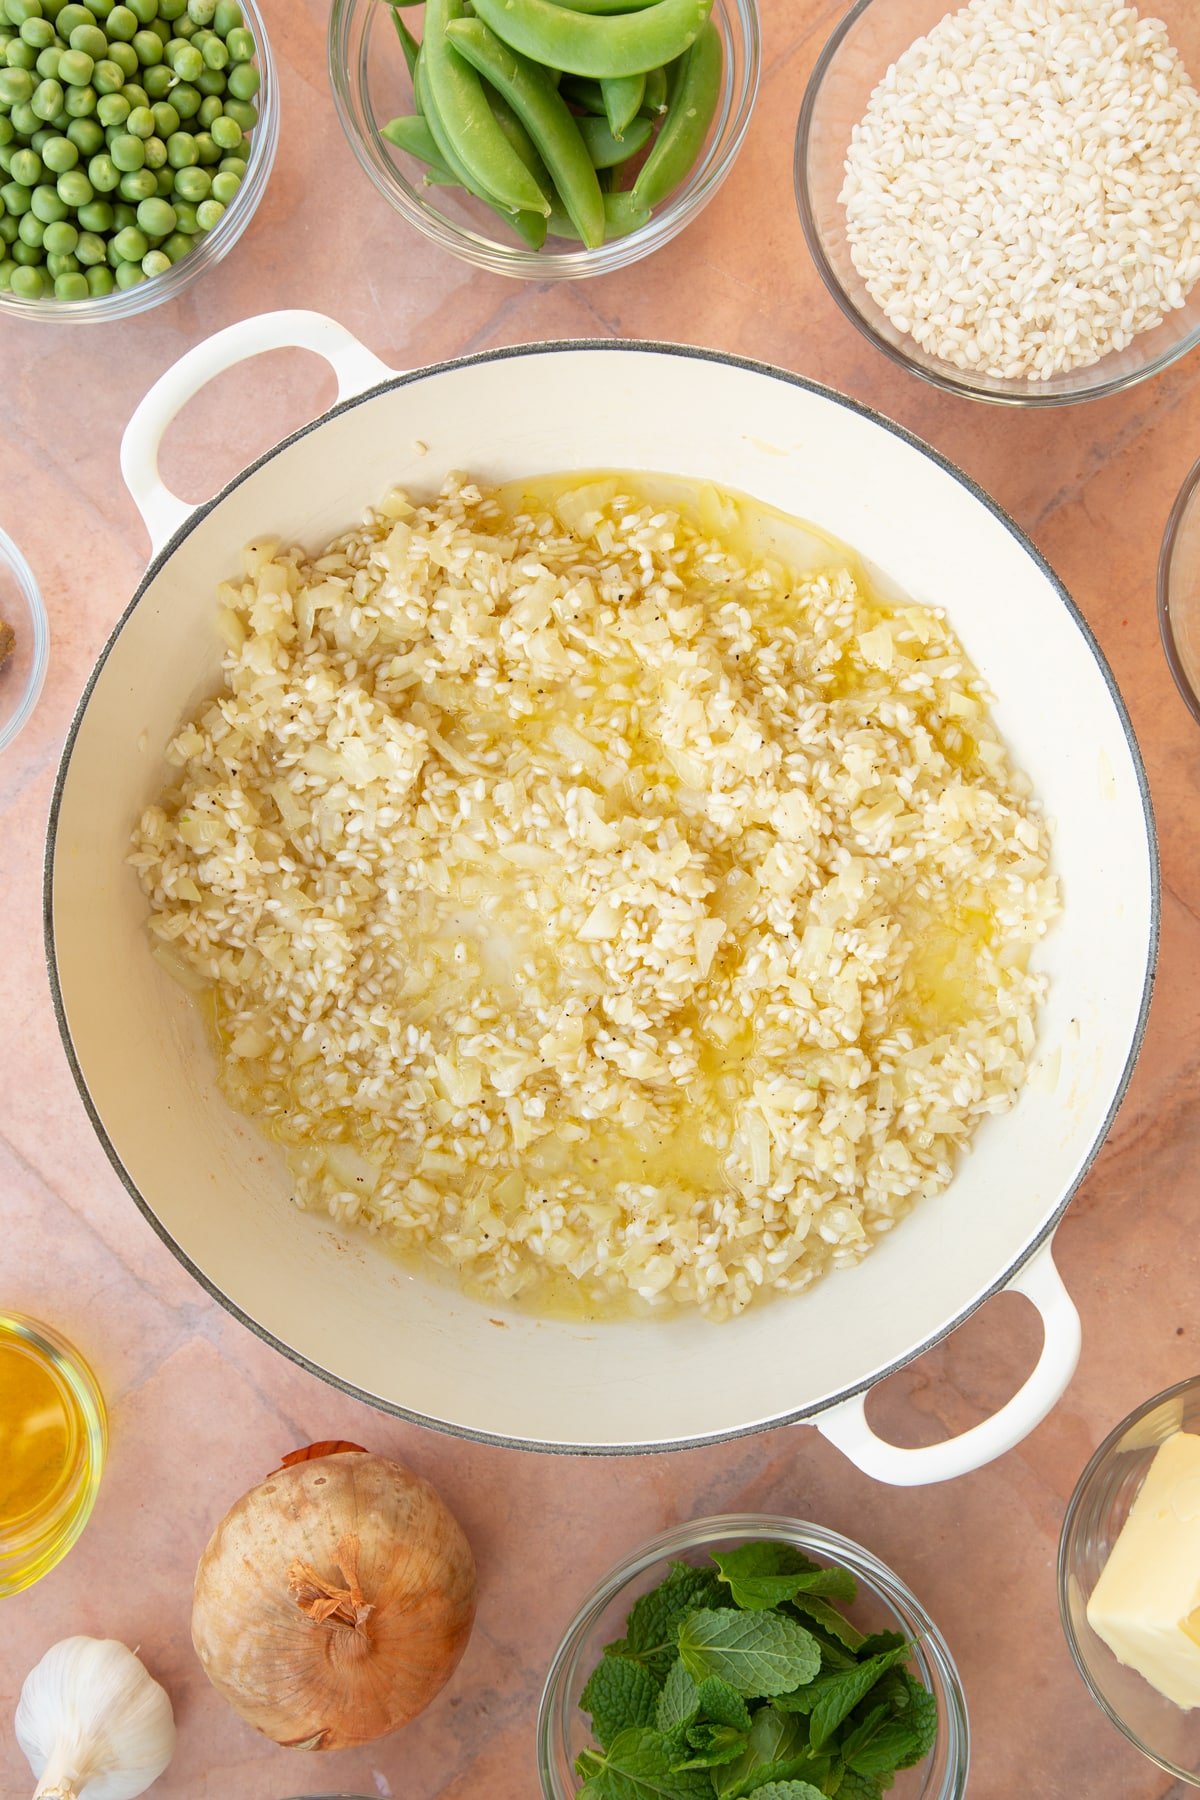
point(1005, 198)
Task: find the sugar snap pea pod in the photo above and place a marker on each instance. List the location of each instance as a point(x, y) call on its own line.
point(623, 96)
point(695, 88)
point(456, 94)
point(588, 95)
point(518, 137)
point(408, 42)
point(544, 114)
point(411, 133)
point(587, 44)
point(529, 225)
point(622, 214)
point(607, 151)
point(655, 101)
point(605, 6)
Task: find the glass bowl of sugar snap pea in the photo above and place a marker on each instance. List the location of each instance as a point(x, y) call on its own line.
point(540, 140)
point(1005, 198)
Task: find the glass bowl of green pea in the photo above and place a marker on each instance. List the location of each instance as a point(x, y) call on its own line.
point(136, 140)
point(537, 141)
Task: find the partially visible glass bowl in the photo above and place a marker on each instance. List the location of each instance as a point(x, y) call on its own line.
point(21, 608)
point(1099, 1508)
point(863, 46)
point(883, 1604)
point(1179, 592)
point(212, 247)
point(371, 85)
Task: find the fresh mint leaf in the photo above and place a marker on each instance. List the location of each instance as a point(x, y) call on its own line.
point(775, 1750)
point(679, 1702)
point(835, 1696)
point(758, 1581)
point(854, 1786)
point(636, 1766)
point(895, 1735)
point(788, 1790)
point(756, 1653)
point(723, 1704)
point(619, 1693)
point(654, 1620)
point(764, 1558)
point(819, 1612)
point(879, 1641)
point(711, 1745)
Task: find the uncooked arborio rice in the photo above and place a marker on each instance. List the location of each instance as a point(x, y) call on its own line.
point(593, 910)
point(1023, 194)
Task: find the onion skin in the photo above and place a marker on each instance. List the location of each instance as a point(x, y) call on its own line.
point(329, 1684)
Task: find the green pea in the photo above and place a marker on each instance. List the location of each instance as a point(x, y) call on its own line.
point(216, 56)
point(30, 229)
point(121, 25)
point(96, 216)
point(99, 9)
point(17, 11)
point(210, 109)
point(27, 168)
point(39, 34)
point(47, 62)
point(103, 174)
point(193, 184)
point(240, 45)
point(227, 133)
point(60, 237)
point(201, 12)
point(208, 214)
point(16, 85)
point(20, 55)
point(155, 263)
point(68, 17)
point(60, 154)
point(46, 205)
point(181, 150)
point(177, 245)
point(206, 150)
point(7, 133)
point(60, 265)
point(158, 81)
point(187, 100)
point(89, 249)
point(227, 17)
point(113, 109)
point(129, 274)
point(29, 283)
point(108, 77)
point(86, 135)
point(75, 189)
point(146, 10)
point(100, 282)
point(7, 152)
point(140, 122)
point(9, 229)
point(164, 183)
point(187, 61)
point(47, 99)
point(184, 29)
point(244, 111)
point(127, 151)
point(125, 57)
point(130, 244)
point(135, 94)
point(149, 48)
point(28, 255)
point(211, 81)
point(25, 121)
point(162, 31)
point(233, 165)
point(90, 40)
point(244, 81)
point(8, 269)
point(156, 153)
point(166, 119)
point(185, 216)
point(75, 67)
point(225, 186)
point(17, 199)
point(123, 215)
point(138, 185)
point(172, 10)
point(81, 102)
point(71, 287)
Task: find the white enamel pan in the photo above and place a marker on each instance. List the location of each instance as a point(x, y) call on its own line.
point(337, 1302)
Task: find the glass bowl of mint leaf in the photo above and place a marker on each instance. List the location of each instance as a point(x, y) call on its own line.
point(753, 1656)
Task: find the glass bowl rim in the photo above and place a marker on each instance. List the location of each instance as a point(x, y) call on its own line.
point(23, 575)
point(694, 1533)
point(483, 251)
point(1030, 395)
point(1166, 579)
point(124, 303)
point(1189, 1385)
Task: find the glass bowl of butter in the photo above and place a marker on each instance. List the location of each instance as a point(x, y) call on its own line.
point(1129, 1579)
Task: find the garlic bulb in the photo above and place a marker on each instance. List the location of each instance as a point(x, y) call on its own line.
point(93, 1723)
point(334, 1600)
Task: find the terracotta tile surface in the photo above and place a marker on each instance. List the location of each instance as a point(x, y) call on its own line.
point(200, 1408)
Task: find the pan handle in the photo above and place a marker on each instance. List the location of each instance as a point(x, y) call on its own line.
point(846, 1424)
point(354, 365)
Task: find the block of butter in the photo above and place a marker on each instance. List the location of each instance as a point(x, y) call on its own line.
point(1146, 1604)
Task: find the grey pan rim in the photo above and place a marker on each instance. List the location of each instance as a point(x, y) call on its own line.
point(1166, 582)
point(938, 376)
point(608, 346)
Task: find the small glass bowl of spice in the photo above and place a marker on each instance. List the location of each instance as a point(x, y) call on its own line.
point(1002, 196)
point(24, 641)
point(1179, 592)
point(1129, 1579)
point(749, 1642)
point(53, 1439)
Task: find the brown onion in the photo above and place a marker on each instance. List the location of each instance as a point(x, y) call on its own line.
point(334, 1601)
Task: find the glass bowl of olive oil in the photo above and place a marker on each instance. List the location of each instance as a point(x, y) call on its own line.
point(53, 1439)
